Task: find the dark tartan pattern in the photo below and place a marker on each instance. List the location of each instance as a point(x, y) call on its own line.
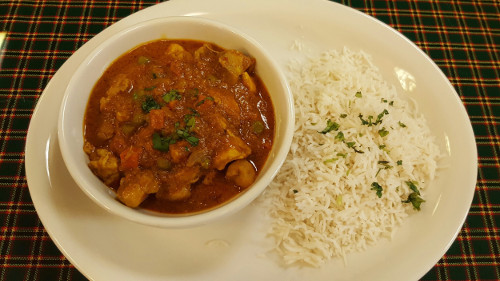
point(462, 37)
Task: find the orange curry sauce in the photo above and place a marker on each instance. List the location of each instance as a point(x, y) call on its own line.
point(178, 126)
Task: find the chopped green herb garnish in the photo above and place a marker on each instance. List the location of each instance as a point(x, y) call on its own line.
point(295, 191)
point(182, 133)
point(171, 96)
point(402, 125)
point(149, 104)
point(185, 133)
point(384, 166)
point(391, 103)
point(340, 136)
point(414, 197)
point(357, 150)
point(343, 155)
point(364, 121)
point(203, 100)
point(415, 200)
point(413, 187)
point(358, 94)
point(399, 162)
point(330, 126)
point(352, 144)
point(369, 121)
point(162, 143)
point(149, 88)
point(383, 147)
point(383, 132)
point(190, 122)
point(383, 162)
point(194, 112)
point(381, 114)
point(378, 188)
point(343, 115)
point(192, 140)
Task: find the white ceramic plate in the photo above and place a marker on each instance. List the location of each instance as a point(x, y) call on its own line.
point(105, 247)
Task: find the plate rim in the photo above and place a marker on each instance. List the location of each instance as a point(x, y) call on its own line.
point(123, 24)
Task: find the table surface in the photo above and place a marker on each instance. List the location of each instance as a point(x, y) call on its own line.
point(462, 37)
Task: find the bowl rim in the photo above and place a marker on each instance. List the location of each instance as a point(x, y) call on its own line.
point(231, 206)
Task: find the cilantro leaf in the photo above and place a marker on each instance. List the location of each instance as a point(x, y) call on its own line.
point(414, 197)
point(383, 132)
point(161, 143)
point(171, 96)
point(330, 126)
point(149, 104)
point(378, 188)
point(413, 187)
point(415, 200)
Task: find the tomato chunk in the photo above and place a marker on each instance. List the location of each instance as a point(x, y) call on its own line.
point(129, 158)
point(157, 118)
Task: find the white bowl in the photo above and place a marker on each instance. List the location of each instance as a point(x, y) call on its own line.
point(70, 126)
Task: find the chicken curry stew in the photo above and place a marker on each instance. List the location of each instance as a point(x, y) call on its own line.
point(178, 126)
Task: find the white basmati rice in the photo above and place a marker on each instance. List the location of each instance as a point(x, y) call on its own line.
point(323, 204)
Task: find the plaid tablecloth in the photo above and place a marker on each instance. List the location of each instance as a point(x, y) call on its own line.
point(462, 37)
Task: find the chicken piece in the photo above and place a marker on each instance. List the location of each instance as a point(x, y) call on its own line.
point(120, 84)
point(220, 121)
point(177, 52)
point(204, 52)
point(235, 62)
point(178, 151)
point(232, 146)
point(235, 148)
point(89, 149)
point(124, 114)
point(241, 172)
point(104, 165)
point(227, 102)
point(135, 187)
point(178, 184)
point(248, 82)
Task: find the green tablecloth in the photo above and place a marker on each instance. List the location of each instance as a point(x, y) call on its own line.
point(462, 37)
